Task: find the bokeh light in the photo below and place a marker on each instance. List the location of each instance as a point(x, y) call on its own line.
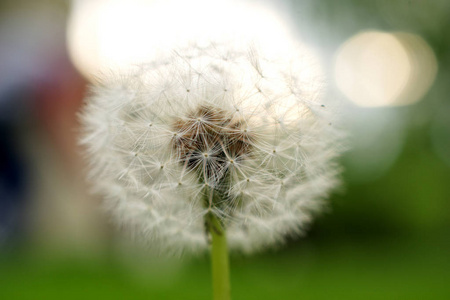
point(376, 68)
point(111, 34)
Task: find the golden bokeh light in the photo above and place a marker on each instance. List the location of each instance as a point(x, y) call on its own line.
point(376, 68)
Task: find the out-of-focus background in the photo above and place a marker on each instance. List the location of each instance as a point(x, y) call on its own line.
point(386, 233)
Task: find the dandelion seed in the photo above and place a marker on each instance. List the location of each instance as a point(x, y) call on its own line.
point(241, 144)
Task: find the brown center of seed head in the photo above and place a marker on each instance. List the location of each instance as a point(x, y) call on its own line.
point(209, 139)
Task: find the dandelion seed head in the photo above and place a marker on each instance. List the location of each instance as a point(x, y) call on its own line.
point(221, 129)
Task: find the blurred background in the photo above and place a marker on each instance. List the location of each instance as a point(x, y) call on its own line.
point(386, 233)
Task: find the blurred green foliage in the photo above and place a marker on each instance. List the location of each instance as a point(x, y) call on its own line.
point(392, 269)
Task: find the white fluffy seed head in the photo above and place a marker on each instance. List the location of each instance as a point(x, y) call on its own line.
point(219, 129)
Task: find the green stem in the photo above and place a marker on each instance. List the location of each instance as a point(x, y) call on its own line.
point(219, 260)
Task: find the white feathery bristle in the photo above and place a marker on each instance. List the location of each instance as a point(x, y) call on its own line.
point(136, 123)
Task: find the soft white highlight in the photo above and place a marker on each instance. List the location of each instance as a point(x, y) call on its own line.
point(271, 192)
point(110, 34)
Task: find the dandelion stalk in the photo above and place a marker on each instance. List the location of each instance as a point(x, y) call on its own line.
point(219, 260)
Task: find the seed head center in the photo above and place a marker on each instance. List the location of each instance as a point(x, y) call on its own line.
point(208, 138)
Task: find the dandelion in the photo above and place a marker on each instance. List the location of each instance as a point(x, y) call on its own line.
point(218, 144)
